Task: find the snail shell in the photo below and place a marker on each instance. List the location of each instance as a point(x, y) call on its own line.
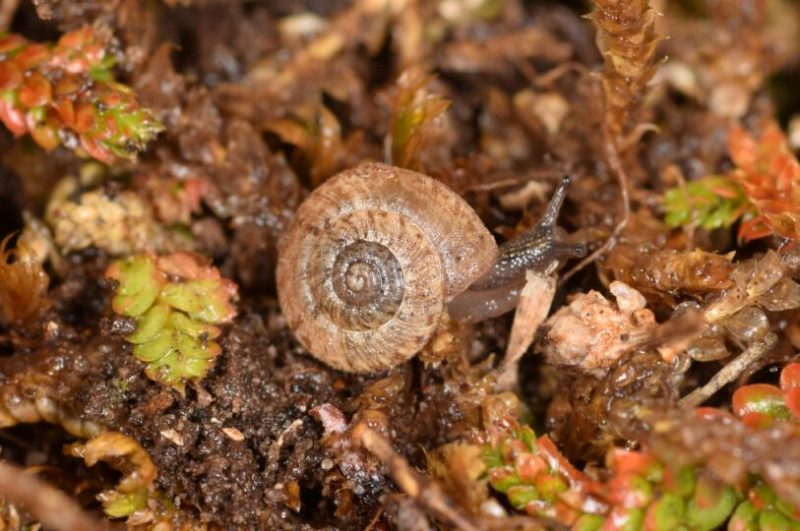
point(370, 260)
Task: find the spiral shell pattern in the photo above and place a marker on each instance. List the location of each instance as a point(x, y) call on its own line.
point(369, 261)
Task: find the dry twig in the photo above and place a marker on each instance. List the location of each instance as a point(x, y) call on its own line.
point(52, 507)
point(425, 492)
point(612, 157)
point(730, 371)
point(8, 9)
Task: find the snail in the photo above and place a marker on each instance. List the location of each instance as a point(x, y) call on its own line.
point(375, 255)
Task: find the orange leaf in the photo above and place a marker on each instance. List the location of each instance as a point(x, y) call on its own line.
point(770, 177)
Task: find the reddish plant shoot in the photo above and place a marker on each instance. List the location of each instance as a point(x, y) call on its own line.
point(65, 94)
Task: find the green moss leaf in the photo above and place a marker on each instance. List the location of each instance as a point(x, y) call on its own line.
point(773, 520)
point(206, 300)
point(667, 513)
point(712, 202)
point(761, 398)
point(503, 478)
point(414, 110)
point(118, 505)
point(186, 359)
point(140, 282)
point(627, 519)
point(711, 505)
point(685, 481)
point(589, 522)
point(159, 347)
point(175, 321)
point(192, 328)
point(744, 518)
point(521, 495)
point(150, 324)
point(550, 486)
point(492, 458)
point(183, 350)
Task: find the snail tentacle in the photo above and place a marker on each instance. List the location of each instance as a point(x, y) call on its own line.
point(497, 291)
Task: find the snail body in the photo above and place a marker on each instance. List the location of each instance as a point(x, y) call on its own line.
point(374, 255)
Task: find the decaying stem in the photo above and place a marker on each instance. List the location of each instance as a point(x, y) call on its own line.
point(730, 371)
point(613, 159)
point(425, 492)
point(49, 505)
point(626, 37)
point(8, 9)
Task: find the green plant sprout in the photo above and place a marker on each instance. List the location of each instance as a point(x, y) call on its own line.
point(176, 301)
point(712, 202)
point(414, 110)
point(763, 190)
point(127, 456)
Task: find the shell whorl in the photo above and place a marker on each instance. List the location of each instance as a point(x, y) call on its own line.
point(369, 261)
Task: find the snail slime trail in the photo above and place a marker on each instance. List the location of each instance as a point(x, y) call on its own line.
point(373, 256)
